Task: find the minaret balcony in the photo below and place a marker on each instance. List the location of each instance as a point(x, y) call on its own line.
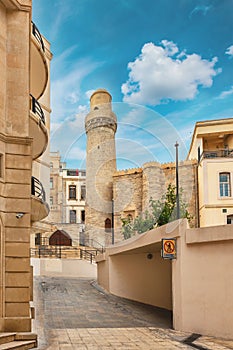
point(37, 128)
point(40, 208)
point(38, 64)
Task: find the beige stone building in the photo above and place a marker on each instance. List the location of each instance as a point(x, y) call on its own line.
point(205, 177)
point(125, 192)
point(67, 192)
point(212, 146)
point(133, 189)
point(24, 136)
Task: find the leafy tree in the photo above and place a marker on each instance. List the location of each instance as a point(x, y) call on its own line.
point(143, 222)
point(161, 212)
point(127, 228)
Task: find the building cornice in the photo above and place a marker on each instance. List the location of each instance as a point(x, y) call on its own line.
point(16, 139)
point(22, 5)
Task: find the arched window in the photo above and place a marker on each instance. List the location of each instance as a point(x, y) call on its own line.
point(108, 225)
point(130, 217)
point(224, 185)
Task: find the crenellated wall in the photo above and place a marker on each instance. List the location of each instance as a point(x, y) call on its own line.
point(133, 189)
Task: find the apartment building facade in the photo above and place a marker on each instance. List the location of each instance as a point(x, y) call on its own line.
point(212, 146)
point(24, 136)
point(67, 192)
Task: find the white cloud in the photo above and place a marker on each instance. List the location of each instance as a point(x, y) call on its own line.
point(65, 89)
point(162, 73)
point(89, 93)
point(69, 136)
point(200, 9)
point(229, 51)
point(226, 93)
point(75, 153)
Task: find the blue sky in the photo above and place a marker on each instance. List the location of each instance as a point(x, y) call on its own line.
point(166, 63)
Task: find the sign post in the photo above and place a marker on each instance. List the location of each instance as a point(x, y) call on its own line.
point(169, 248)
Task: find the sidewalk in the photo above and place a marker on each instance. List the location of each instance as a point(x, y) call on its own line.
point(72, 313)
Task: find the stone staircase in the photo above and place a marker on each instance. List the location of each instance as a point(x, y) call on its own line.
point(22, 341)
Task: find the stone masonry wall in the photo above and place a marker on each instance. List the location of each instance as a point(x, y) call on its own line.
point(133, 189)
point(127, 191)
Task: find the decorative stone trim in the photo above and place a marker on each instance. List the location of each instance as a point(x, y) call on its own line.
point(16, 139)
point(100, 121)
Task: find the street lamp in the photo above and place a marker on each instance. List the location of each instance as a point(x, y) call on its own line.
point(112, 221)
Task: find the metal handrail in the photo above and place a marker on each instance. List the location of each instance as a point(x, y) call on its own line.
point(91, 243)
point(61, 252)
point(37, 35)
point(37, 189)
point(36, 109)
point(218, 153)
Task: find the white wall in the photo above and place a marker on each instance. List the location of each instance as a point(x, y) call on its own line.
point(63, 268)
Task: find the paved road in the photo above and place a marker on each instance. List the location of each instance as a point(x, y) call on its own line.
point(72, 313)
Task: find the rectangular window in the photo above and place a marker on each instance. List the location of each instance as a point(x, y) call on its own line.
point(82, 216)
point(224, 185)
point(51, 200)
point(83, 193)
point(51, 182)
point(72, 172)
point(38, 239)
point(72, 216)
point(72, 192)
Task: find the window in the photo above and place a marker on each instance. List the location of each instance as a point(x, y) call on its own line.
point(72, 192)
point(230, 219)
point(82, 216)
point(51, 182)
point(38, 239)
point(51, 165)
point(72, 172)
point(72, 216)
point(224, 185)
point(108, 225)
point(130, 217)
point(51, 200)
point(83, 192)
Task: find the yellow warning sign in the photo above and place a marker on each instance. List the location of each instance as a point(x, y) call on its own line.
point(169, 248)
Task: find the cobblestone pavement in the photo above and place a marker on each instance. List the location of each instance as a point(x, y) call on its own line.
point(73, 313)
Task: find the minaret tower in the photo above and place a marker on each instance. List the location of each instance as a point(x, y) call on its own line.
point(100, 125)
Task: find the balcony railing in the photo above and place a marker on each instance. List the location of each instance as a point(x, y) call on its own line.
point(220, 153)
point(37, 189)
point(37, 35)
point(36, 109)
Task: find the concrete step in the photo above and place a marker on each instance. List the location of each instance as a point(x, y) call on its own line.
point(7, 337)
point(18, 344)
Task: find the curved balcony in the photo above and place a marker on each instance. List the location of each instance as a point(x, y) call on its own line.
point(38, 65)
point(37, 128)
point(40, 208)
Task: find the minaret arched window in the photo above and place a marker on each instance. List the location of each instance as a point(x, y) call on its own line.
point(108, 225)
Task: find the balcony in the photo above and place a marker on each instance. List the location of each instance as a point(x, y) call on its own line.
point(37, 128)
point(38, 64)
point(40, 208)
point(219, 153)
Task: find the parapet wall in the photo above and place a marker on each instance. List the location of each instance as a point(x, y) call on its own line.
point(197, 286)
point(133, 188)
